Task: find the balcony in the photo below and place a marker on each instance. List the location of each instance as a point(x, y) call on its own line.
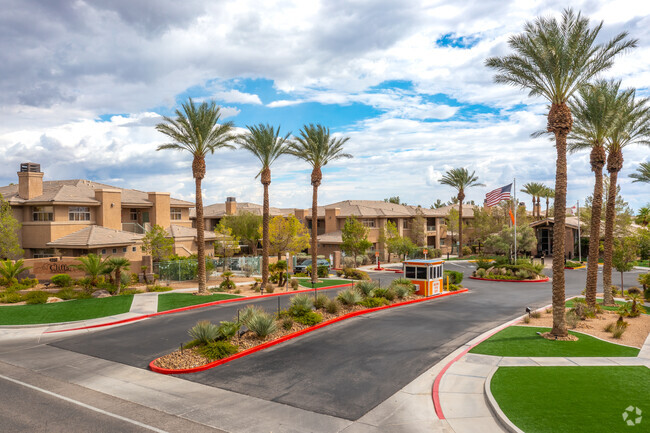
point(431, 228)
point(133, 228)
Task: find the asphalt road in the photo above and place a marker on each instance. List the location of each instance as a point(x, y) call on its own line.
point(346, 369)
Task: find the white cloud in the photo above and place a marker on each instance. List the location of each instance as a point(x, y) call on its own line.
point(237, 97)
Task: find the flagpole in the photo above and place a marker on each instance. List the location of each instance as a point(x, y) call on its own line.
point(514, 185)
point(579, 240)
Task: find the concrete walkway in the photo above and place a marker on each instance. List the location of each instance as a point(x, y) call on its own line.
point(467, 403)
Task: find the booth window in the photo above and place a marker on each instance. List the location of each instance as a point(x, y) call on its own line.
point(409, 272)
point(421, 273)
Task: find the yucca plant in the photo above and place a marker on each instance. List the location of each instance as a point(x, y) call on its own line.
point(349, 297)
point(402, 281)
point(228, 330)
point(262, 324)
point(204, 332)
point(321, 300)
point(300, 305)
point(365, 287)
point(248, 313)
point(402, 290)
point(332, 306)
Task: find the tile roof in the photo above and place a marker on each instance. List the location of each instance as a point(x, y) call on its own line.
point(96, 236)
point(377, 208)
point(188, 232)
point(81, 191)
point(571, 222)
point(331, 238)
point(219, 210)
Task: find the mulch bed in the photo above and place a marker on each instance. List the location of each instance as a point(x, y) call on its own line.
point(190, 358)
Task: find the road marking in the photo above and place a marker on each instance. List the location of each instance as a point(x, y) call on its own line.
point(78, 403)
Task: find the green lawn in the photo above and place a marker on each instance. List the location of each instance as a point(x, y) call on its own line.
point(68, 311)
point(170, 301)
point(572, 399)
point(324, 282)
point(523, 341)
point(645, 263)
point(569, 304)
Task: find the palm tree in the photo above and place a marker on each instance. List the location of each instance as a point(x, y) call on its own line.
point(642, 174)
point(196, 130)
point(594, 111)
point(94, 266)
point(460, 179)
point(534, 189)
point(117, 265)
point(632, 125)
point(9, 271)
point(267, 145)
point(316, 147)
point(547, 193)
point(553, 59)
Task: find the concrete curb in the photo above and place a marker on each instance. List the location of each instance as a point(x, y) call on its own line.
point(511, 281)
point(495, 408)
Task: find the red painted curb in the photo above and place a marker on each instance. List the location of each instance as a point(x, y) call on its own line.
point(292, 336)
point(512, 281)
point(193, 307)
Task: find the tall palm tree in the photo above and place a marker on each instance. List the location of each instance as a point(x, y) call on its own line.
point(548, 194)
point(315, 146)
point(642, 173)
point(117, 265)
point(632, 125)
point(267, 145)
point(460, 179)
point(594, 111)
point(534, 189)
point(553, 59)
point(196, 130)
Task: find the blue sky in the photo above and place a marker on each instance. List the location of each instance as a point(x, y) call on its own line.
point(86, 82)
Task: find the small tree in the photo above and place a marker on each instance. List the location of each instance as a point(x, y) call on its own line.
point(503, 242)
point(246, 226)
point(452, 225)
point(9, 271)
point(624, 255)
point(418, 228)
point(117, 265)
point(157, 244)
point(94, 266)
point(226, 245)
point(288, 234)
point(9, 228)
point(396, 244)
point(355, 238)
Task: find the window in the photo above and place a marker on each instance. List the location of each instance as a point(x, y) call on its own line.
point(442, 242)
point(103, 250)
point(368, 223)
point(42, 213)
point(134, 215)
point(43, 253)
point(114, 250)
point(134, 249)
point(405, 224)
point(176, 213)
point(421, 273)
point(124, 249)
point(436, 272)
point(409, 272)
point(79, 213)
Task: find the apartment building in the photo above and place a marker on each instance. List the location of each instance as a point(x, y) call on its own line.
point(212, 214)
point(76, 217)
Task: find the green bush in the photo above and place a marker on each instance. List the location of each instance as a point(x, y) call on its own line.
point(300, 305)
point(218, 350)
point(157, 288)
point(261, 324)
point(480, 272)
point(227, 330)
point(321, 272)
point(355, 274)
point(11, 297)
point(204, 332)
point(384, 292)
point(365, 287)
point(309, 319)
point(29, 282)
point(402, 290)
point(349, 297)
point(453, 287)
point(467, 251)
point(66, 294)
point(320, 301)
point(294, 284)
point(402, 282)
point(37, 297)
point(300, 275)
point(128, 292)
point(248, 313)
point(570, 264)
point(227, 285)
point(374, 302)
point(572, 319)
point(287, 323)
point(455, 277)
point(332, 306)
point(483, 263)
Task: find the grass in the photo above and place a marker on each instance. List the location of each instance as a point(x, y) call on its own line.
point(171, 301)
point(68, 311)
point(569, 304)
point(324, 282)
point(645, 263)
point(523, 341)
point(571, 399)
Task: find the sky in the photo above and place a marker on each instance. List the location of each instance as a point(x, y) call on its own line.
point(85, 82)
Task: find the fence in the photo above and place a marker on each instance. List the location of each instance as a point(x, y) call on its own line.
point(185, 270)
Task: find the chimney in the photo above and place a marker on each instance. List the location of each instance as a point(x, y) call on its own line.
point(161, 210)
point(231, 206)
point(301, 214)
point(109, 214)
point(30, 180)
point(331, 215)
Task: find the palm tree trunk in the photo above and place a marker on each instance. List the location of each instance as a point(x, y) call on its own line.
point(559, 122)
point(461, 196)
point(533, 207)
point(597, 163)
point(314, 234)
point(546, 216)
point(266, 180)
point(118, 277)
point(610, 217)
point(198, 168)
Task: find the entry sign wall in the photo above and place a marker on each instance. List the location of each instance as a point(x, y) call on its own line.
point(425, 274)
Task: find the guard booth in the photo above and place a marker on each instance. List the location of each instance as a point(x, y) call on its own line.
point(425, 274)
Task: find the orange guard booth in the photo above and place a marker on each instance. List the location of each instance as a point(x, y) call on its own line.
point(425, 274)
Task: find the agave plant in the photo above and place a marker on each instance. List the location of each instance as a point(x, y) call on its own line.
point(365, 287)
point(349, 297)
point(262, 324)
point(300, 304)
point(204, 332)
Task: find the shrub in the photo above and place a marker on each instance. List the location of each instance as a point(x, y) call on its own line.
point(467, 251)
point(204, 332)
point(619, 330)
point(309, 319)
point(248, 270)
point(294, 284)
point(321, 300)
point(349, 297)
point(339, 273)
point(300, 275)
point(572, 319)
point(227, 285)
point(374, 302)
point(526, 319)
point(402, 290)
point(322, 271)
point(248, 313)
point(125, 280)
point(261, 324)
point(435, 253)
point(355, 274)
point(480, 272)
point(29, 282)
point(66, 294)
point(218, 350)
point(62, 280)
point(454, 287)
point(365, 287)
point(402, 282)
point(535, 314)
point(158, 288)
point(11, 297)
point(130, 292)
point(455, 277)
point(634, 291)
point(570, 264)
point(269, 289)
point(332, 306)
point(483, 263)
point(287, 323)
point(300, 305)
point(382, 292)
point(36, 297)
point(610, 327)
point(228, 330)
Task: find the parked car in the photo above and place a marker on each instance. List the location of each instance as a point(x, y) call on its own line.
point(303, 266)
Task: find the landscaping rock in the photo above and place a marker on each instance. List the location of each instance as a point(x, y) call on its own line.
point(53, 299)
point(101, 294)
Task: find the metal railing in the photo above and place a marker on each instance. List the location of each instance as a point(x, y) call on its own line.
point(431, 228)
point(186, 269)
point(133, 228)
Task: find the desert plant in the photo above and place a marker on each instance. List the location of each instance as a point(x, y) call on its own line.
point(320, 301)
point(227, 285)
point(287, 323)
point(310, 319)
point(402, 290)
point(261, 324)
point(218, 350)
point(572, 319)
point(248, 313)
point(535, 314)
point(526, 319)
point(349, 297)
point(454, 277)
point(300, 304)
point(374, 302)
point(66, 294)
point(480, 272)
point(467, 251)
point(204, 332)
point(618, 331)
point(609, 327)
point(36, 297)
point(9, 271)
point(355, 274)
point(294, 284)
point(228, 330)
point(402, 281)
point(332, 306)
point(365, 287)
point(383, 292)
point(636, 307)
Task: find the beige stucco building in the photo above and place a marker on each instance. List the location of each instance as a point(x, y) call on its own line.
point(76, 217)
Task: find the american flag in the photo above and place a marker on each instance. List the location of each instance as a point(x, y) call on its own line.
point(494, 197)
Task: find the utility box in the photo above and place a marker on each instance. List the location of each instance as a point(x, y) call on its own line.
point(425, 274)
